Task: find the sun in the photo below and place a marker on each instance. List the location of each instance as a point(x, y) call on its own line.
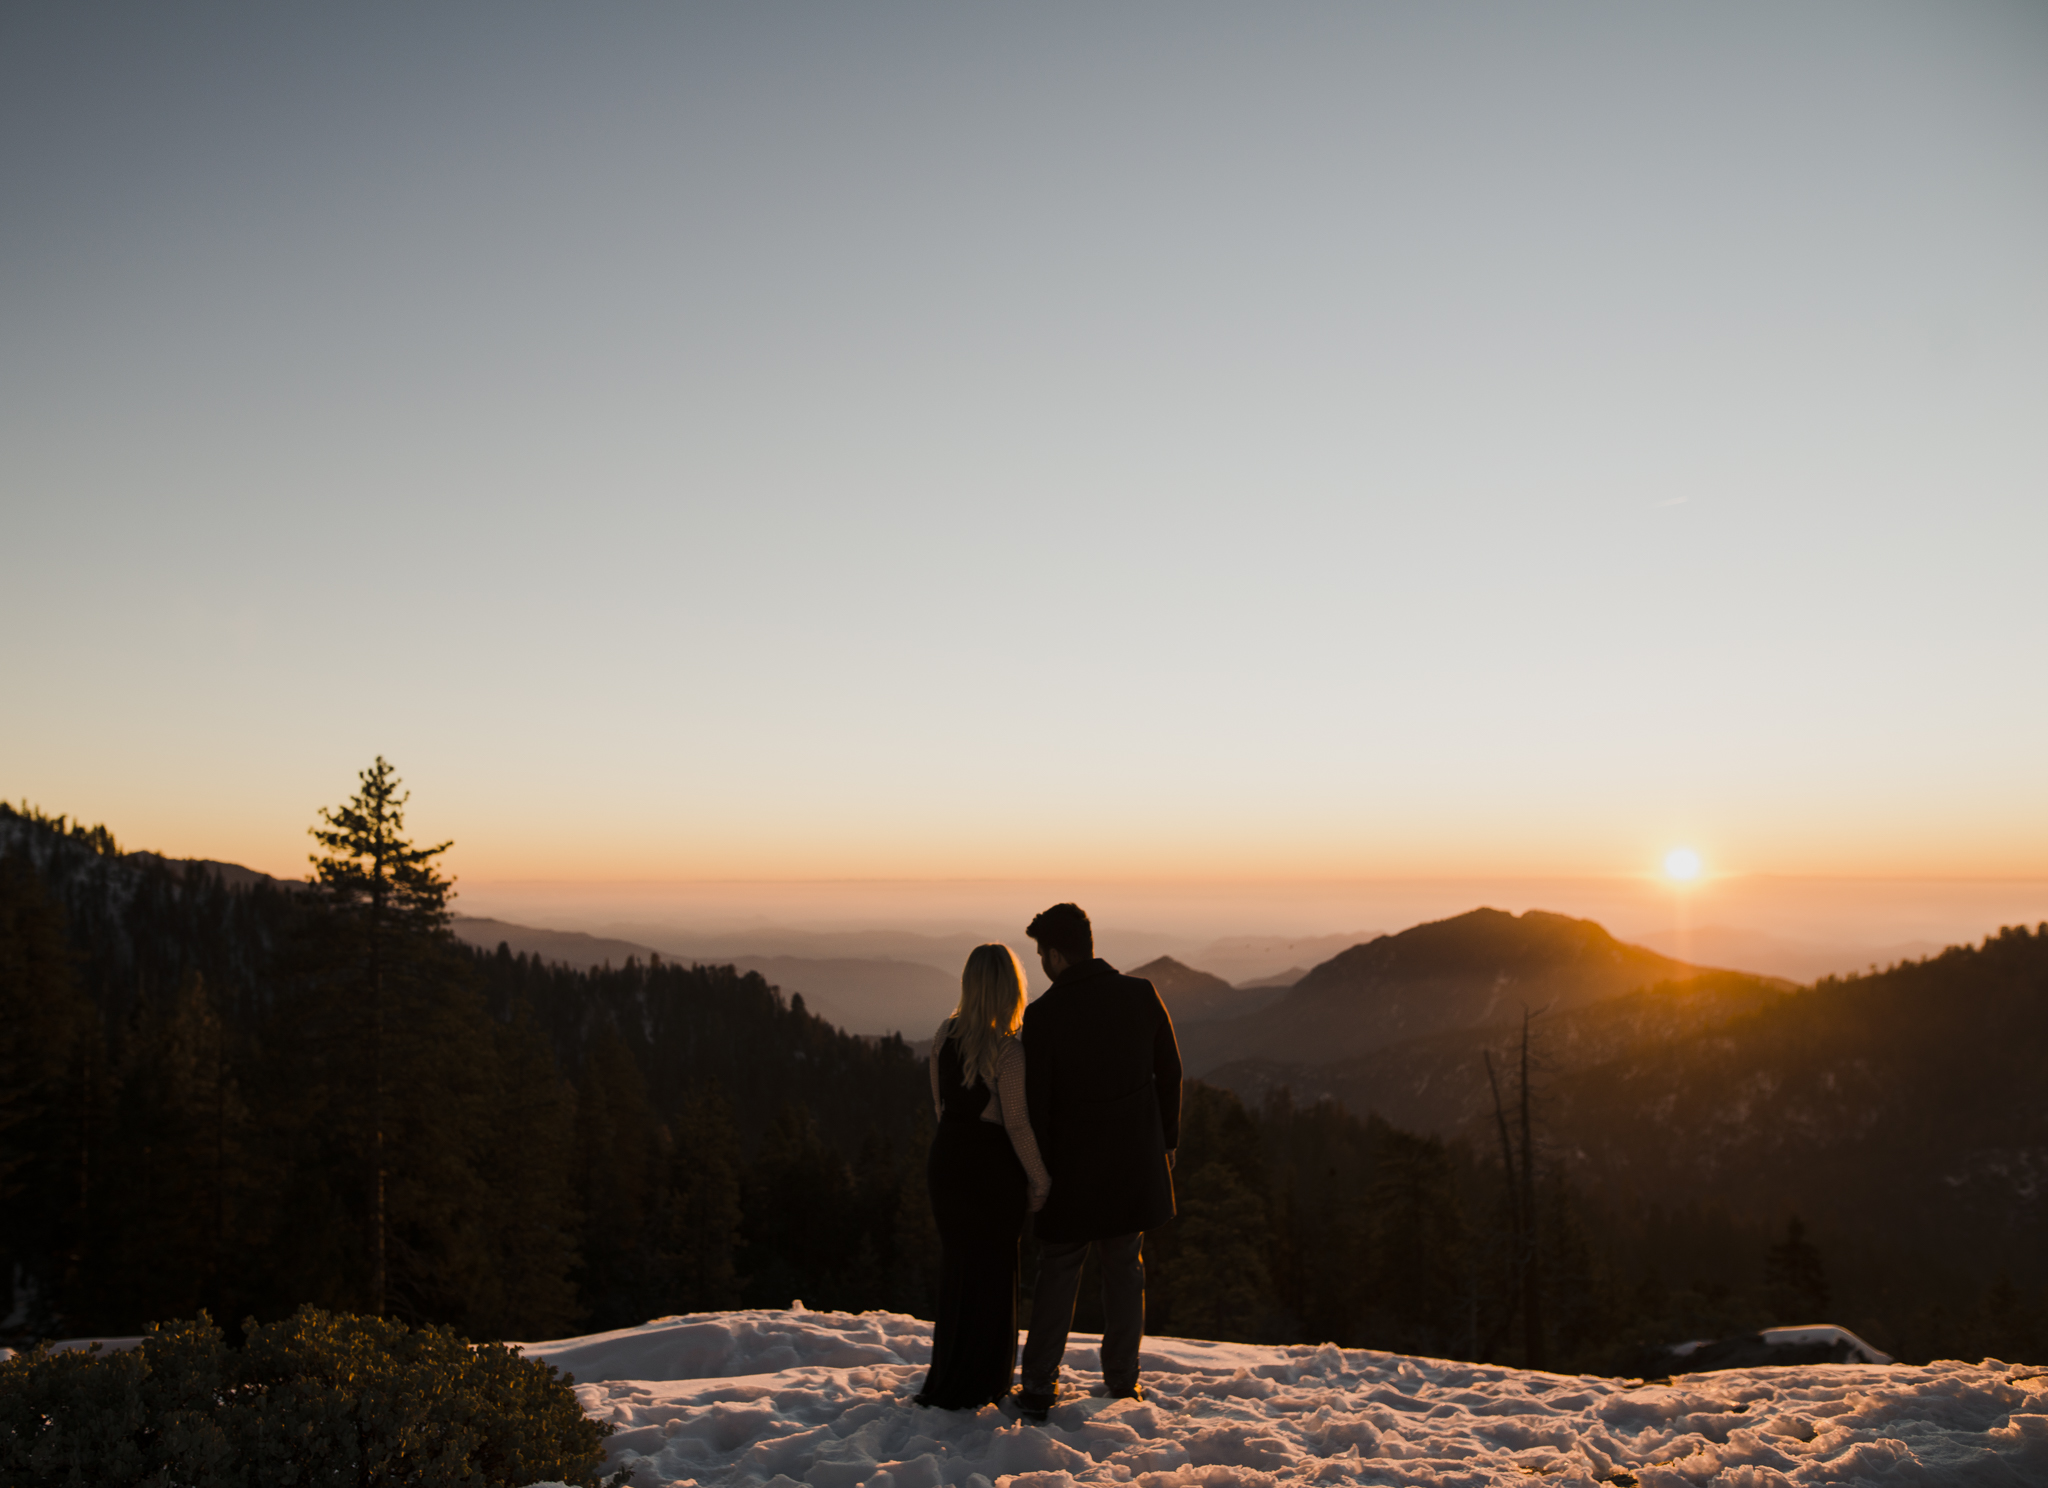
point(1682, 863)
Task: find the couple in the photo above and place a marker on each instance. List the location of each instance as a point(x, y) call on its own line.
point(1076, 1121)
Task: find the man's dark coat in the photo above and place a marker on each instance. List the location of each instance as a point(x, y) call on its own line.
point(1102, 1077)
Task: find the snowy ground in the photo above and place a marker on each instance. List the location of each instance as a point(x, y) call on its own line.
point(774, 1399)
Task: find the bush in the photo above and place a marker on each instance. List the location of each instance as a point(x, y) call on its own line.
point(320, 1398)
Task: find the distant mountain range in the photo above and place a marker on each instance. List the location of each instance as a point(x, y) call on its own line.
point(868, 995)
point(1908, 1100)
point(1778, 955)
point(1268, 960)
point(1907, 1103)
point(1195, 996)
point(1452, 974)
point(1902, 1112)
point(861, 994)
point(1438, 1083)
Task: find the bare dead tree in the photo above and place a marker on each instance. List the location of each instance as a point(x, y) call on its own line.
point(1532, 1271)
point(1519, 1172)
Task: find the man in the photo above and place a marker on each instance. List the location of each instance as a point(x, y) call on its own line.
point(1102, 1079)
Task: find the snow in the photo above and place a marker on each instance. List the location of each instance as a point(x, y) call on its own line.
point(1802, 1335)
point(774, 1399)
point(1825, 1333)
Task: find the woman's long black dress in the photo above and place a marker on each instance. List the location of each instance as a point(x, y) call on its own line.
point(978, 1199)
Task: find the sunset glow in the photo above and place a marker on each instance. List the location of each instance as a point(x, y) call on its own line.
point(1682, 864)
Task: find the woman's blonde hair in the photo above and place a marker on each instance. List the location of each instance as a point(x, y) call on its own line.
point(990, 1010)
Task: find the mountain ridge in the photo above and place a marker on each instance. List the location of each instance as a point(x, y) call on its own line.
point(1437, 977)
point(1195, 996)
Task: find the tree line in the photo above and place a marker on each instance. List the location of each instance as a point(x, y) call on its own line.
point(245, 1098)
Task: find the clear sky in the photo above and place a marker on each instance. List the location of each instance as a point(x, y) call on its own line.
point(1161, 442)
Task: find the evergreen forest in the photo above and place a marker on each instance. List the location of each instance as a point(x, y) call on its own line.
point(244, 1097)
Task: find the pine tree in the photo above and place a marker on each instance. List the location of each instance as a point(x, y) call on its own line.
point(392, 901)
point(913, 1285)
point(1221, 1289)
point(50, 1045)
point(621, 1158)
point(42, 1015)
point(178, 1159)
point(1415, 1248)
point(704, 1206)
point(530, 1220)
point(1795, 1281)
point(795, 1178)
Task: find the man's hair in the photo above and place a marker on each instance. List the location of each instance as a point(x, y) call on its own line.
point(1065, 928)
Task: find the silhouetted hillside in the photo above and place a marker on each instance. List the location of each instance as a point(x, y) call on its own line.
point(1193, 996)
point(860, 994)
point(1436, 978)
point(1903, 1115)
point(1261, 960)
point(182, 1124)
point(570, 948)
point(1437, 1084)
point(1785, 956)
point(1910, 1102)
point(1280, 981)
point(181, 1118)
point(863, 996)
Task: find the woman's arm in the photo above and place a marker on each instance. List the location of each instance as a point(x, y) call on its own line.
point(1017, 1120)
point(938, 1105)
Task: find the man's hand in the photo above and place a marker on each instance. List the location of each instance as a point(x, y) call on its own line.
point(1169, 1158)
point(1039, 1196)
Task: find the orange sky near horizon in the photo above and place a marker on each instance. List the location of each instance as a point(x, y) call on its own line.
point(1149, 887)
point(510, 840)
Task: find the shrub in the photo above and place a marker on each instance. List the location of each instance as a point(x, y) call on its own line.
point(319, 1398)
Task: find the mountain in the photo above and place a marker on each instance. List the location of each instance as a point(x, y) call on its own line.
point(1902, 1113)
point(859, 994)
point(1458, 973)
point(559, 947)
point(1193, 996)
point(232, 875)
point(945, 953)
point(1280, 979)
point(1438, 1083)
point(1909, 1102)
point(863, 996)
point(1260, 960)
point(1777, 955)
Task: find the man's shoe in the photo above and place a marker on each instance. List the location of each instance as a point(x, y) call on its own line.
point(1033, 1405)
point(1133, 1391)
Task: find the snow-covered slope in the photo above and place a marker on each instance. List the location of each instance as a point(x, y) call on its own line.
point(779, 1398)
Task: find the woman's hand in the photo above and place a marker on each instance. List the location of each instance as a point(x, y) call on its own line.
point(1038, 1197)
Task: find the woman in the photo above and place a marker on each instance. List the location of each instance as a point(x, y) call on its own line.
point(984, 1174)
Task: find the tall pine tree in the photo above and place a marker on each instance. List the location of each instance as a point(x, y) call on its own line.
point(391, 904)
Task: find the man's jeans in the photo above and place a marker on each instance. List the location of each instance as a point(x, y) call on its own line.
point(1122, 1260)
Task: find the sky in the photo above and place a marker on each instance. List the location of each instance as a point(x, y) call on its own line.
point(1152, 444)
